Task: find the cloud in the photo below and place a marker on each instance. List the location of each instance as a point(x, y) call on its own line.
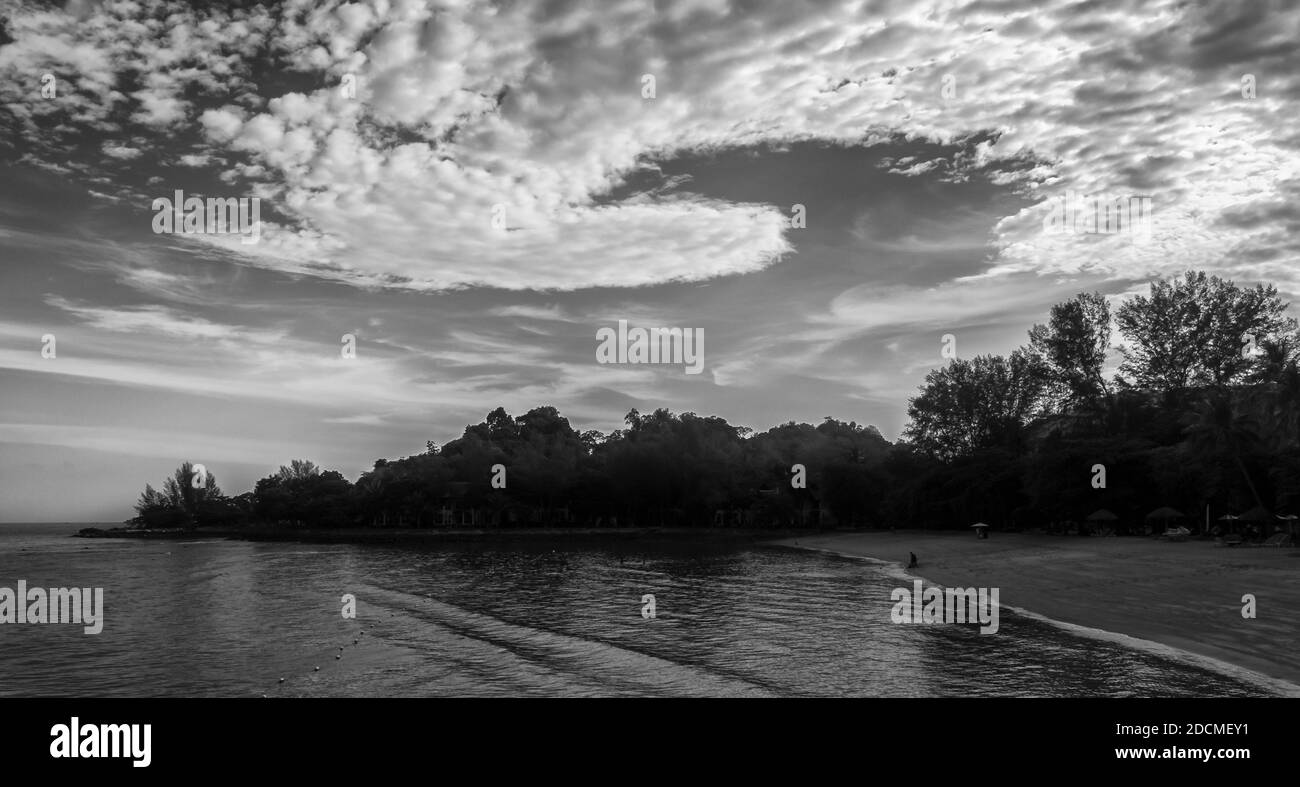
point(363, 419)
point(551, 313)
point(121, 152)
point(221, 125)
point(524, 115)
point(159, 110)
point(136, 441)
point(954, 304)
point(149, 319)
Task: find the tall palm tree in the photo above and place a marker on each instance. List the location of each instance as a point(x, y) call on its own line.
point(1216, 428)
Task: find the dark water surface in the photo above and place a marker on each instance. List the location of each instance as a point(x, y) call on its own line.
point(230, 618)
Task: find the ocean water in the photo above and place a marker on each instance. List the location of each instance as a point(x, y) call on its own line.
point(194, 618)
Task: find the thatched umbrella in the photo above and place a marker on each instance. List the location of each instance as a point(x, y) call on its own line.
point(1164, 514)
point(1290, 520)
point(981, 529)
point(1100, 515)
point(1256, 514)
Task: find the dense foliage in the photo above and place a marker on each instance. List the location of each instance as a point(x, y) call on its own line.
point(1203, 411)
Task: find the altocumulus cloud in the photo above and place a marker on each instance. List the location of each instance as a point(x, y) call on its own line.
point(535, 112)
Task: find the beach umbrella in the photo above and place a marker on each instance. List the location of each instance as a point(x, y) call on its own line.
point(1164, 514)
point(1290, 520)
point(1101, 515)
point(1256, 514)
point(980, 524)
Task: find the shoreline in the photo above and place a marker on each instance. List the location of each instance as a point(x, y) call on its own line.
point(1178, 600)
point(438, 535)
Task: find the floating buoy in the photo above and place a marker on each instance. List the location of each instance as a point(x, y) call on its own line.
point(282, 680)
point(336, 658)
point(316, 670)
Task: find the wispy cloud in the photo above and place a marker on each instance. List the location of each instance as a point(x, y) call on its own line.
point(156, 319)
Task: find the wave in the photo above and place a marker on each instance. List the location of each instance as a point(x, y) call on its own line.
point(1268, 683)
point(595, 664)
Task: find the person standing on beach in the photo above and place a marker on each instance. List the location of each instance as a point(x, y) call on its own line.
point(913, 563)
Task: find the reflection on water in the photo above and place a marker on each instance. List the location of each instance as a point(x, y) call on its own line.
point(228, 618)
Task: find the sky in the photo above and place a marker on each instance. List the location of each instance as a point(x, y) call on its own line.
point(473, 190)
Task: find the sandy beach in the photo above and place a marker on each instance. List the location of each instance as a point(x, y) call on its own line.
point(1181, 595)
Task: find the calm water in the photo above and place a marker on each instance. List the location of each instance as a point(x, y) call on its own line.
point(228, 618)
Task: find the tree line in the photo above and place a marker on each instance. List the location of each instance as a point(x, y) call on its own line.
point(1203, 410)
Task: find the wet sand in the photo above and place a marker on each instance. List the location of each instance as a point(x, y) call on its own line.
point(1183, 595)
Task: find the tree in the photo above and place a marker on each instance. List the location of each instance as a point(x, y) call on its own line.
point(150, 499)
point(183, 503)
point(1073, 345)
point(980, 403)
point(1215, 428)
point(1191, 331)
point(298, 469)
point(302, 494)
point(1276, 375)
point(1277, 359)
point(154, 509)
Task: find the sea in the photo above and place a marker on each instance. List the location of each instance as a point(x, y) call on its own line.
point(229, 618)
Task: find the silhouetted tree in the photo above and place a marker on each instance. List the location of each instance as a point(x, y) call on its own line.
point(1216, 429)
point(1192, 331)
point(1073, 346)
point(981, 403)
point(184, 503)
